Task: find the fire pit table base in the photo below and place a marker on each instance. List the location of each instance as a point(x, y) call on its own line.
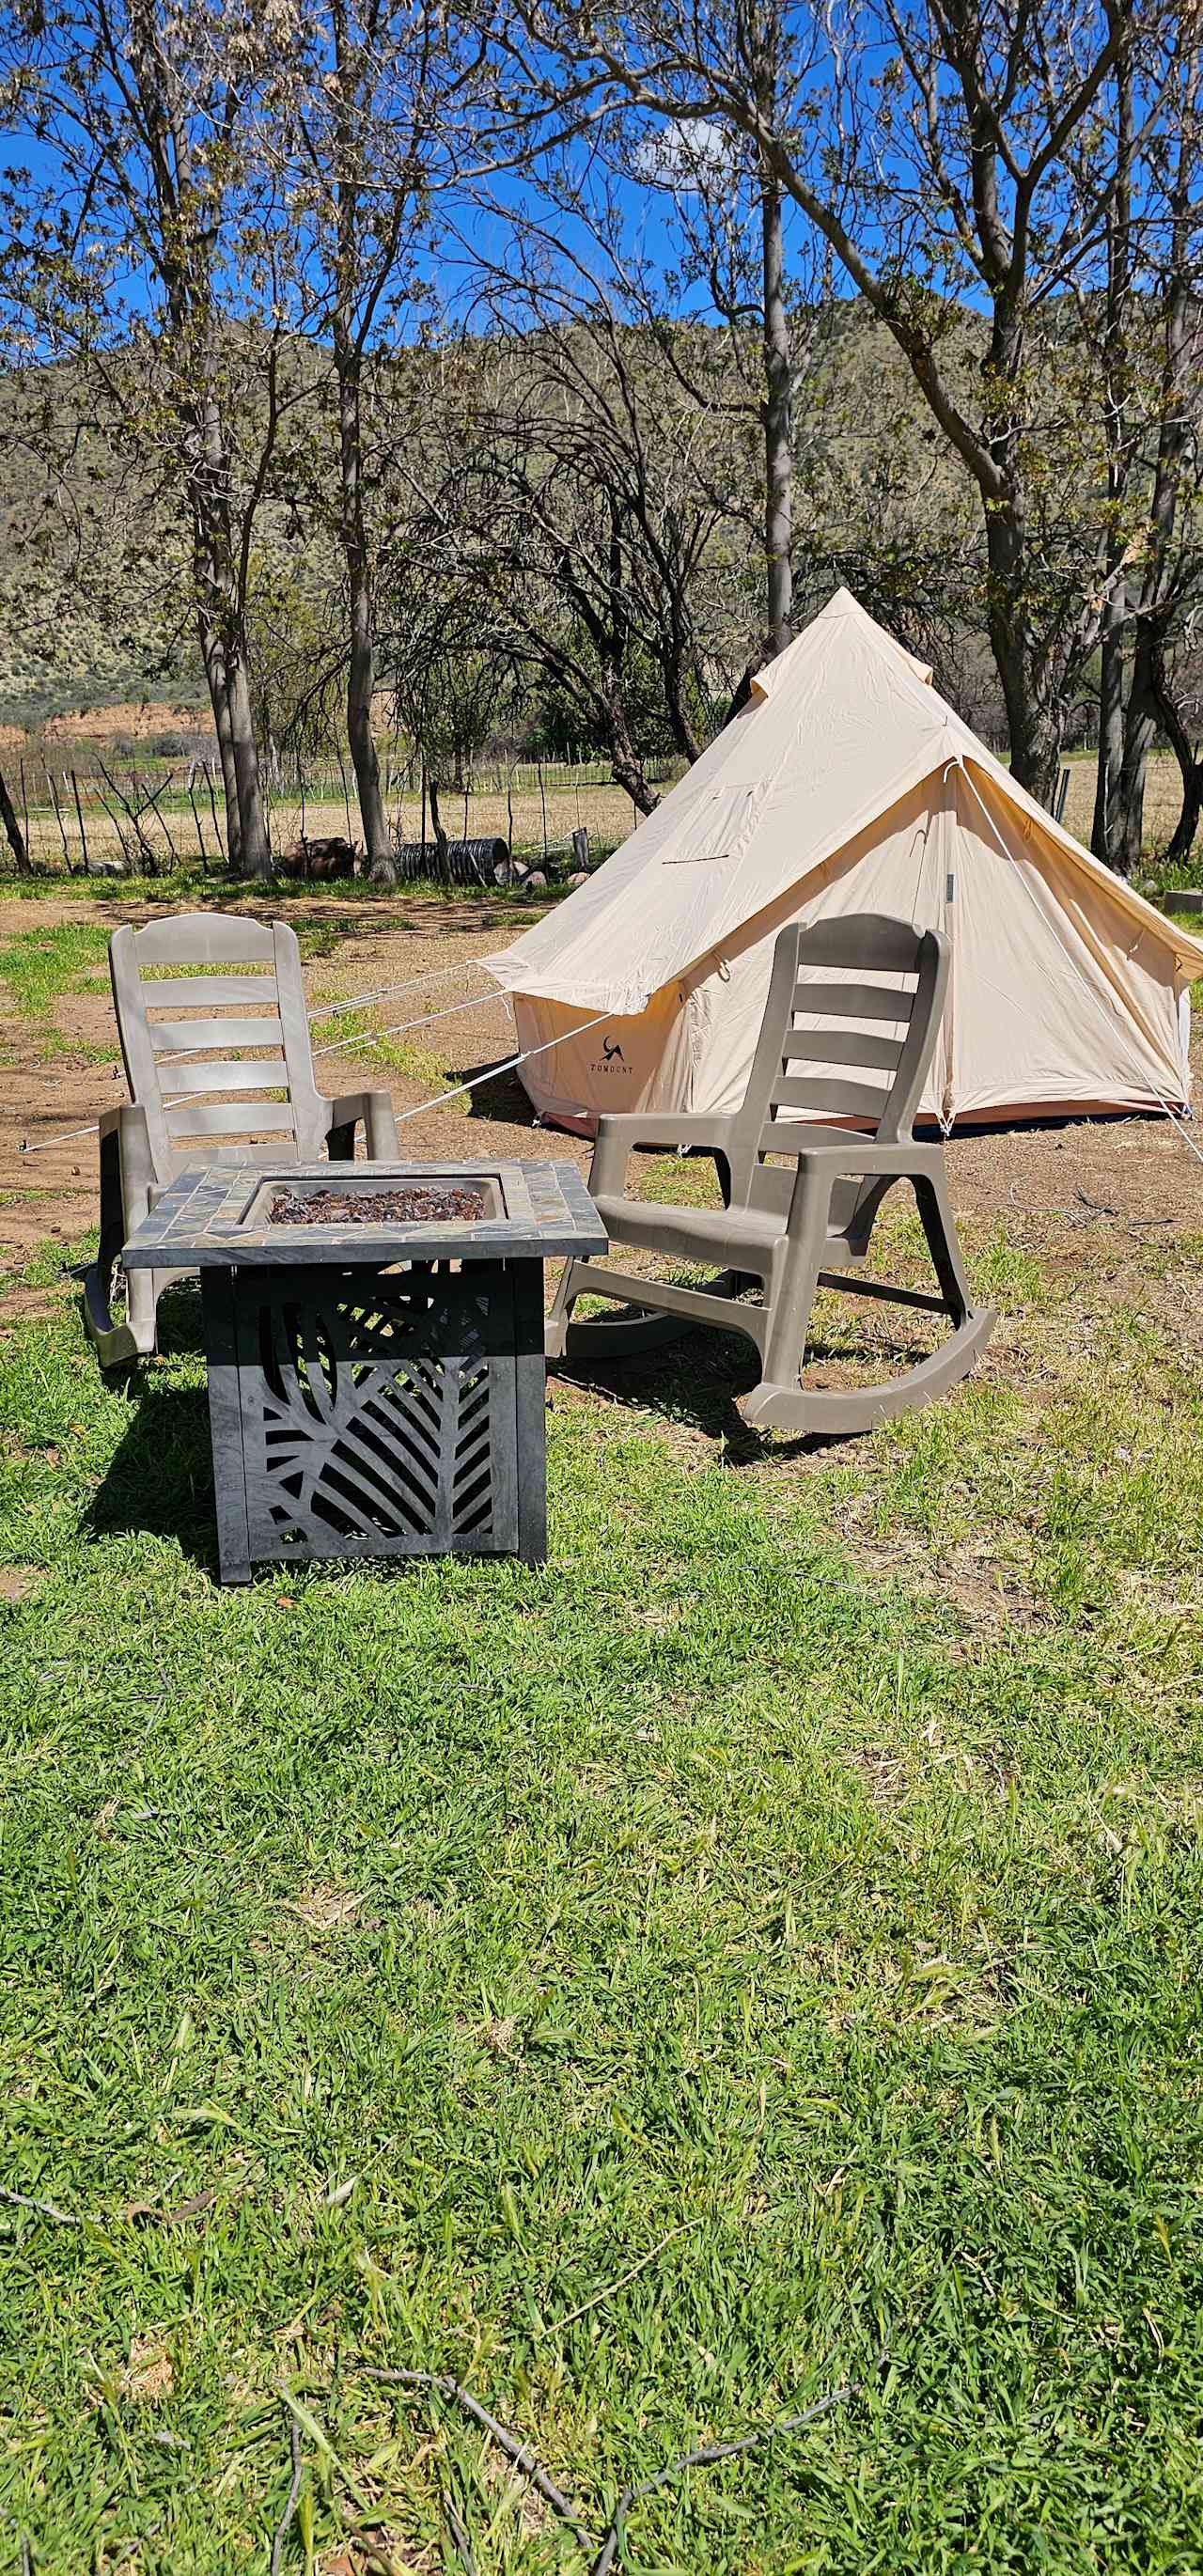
point(375, 1358)
point(360, 1413)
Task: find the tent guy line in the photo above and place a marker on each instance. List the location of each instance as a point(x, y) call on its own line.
point(374, 1037)
point(508, 1064)
point(385, 992)
point(358, 1001)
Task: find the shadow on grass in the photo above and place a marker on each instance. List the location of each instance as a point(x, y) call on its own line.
point(160, 1477)
point(695, 1380)
point(699, 1379)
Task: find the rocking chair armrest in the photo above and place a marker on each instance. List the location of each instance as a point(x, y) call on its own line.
point(374, 1111)
point(617, 1137)
point(854, 1157)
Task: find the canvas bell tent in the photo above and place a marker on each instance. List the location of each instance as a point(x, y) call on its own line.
point(848, 785)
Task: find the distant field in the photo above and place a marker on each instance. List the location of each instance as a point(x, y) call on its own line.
point(1162, 799)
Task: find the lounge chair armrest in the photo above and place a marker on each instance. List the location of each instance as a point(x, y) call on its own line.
point(127, 1179)
point(618, 1136)
point(374, 1111)
point(127, 1169)
point(128, 1116)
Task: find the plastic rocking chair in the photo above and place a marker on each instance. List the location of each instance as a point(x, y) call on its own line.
point(865, 992)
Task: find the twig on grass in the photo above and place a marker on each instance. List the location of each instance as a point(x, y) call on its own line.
point(45, 2208)
point(284, 2524)
point(1087, 1211)
point(460, 2537)
point(522, 2456)
point(706, 2456)
point(556, 2325)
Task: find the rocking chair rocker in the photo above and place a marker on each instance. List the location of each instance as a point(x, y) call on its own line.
point(796, 1232)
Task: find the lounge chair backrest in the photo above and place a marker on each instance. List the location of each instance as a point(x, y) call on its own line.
point(189, 1037)
point(863, 992)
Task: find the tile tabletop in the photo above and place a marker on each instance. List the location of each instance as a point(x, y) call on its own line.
point(200, 1220)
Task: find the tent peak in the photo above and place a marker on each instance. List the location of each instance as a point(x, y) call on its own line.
point(843, 605)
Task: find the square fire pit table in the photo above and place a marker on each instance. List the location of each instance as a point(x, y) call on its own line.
point(374, 1346)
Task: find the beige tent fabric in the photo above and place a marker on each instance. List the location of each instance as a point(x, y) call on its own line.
point(848, 784)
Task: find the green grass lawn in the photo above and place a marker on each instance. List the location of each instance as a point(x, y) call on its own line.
point(645, 1987)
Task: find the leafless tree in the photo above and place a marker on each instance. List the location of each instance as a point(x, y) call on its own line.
point(576, 497)
point(929, 145)
point(121, 260)
point(1150, 377)
point(367, 138)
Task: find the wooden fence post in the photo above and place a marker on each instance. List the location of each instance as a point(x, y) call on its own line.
point(52, 793)
point(79, 817)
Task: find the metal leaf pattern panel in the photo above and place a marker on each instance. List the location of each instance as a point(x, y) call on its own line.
point(378, 1412)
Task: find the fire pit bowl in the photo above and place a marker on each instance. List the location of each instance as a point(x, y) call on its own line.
point(374, 1347)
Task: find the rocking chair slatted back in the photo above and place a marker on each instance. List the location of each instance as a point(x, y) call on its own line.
point(183, 1070)
point(818, 1004)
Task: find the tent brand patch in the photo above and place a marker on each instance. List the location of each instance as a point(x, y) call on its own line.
point(611, 1056)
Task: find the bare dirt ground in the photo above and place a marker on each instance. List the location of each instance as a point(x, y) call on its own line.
point(1080, 1193)
point(133, 721)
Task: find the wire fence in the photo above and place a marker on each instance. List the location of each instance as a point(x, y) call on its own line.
point(141, 813)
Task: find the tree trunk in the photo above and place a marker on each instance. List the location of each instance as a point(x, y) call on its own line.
point(223, 644)
point(626, 767)
point(219, 700)
point(778, 442)
point(360, 680)
point(361, 669)
point(1108, 837)
point(1035, 721)
point(441, 861)
point(1140, 726)
point(12, 827)
point(1105, 828)
point(221, 609)
point(674, 672)
point(1189, 762)
point(1182, 839)
point(256, 850)
point(626, 770)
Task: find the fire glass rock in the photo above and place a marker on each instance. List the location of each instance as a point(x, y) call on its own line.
point(418, 1204)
